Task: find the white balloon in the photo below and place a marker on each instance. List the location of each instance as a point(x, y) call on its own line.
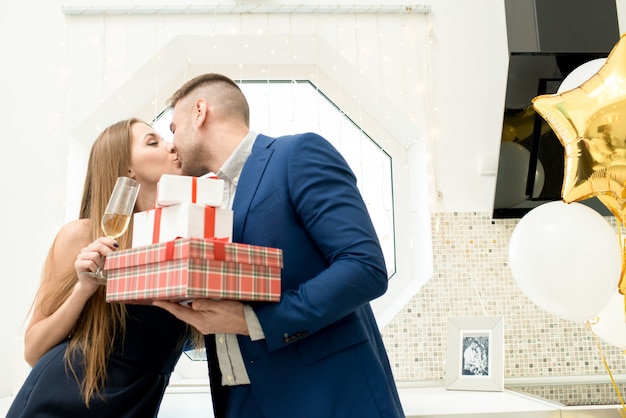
point(513, 174)
point(580, 74)
point(566, 258)
point(610, 324)
point(540, 178)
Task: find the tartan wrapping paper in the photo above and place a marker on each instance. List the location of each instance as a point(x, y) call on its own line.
point(173, 190)
point(194, 268)
point(164, 224)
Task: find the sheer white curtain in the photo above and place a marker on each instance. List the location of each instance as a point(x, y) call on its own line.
point(372, 70)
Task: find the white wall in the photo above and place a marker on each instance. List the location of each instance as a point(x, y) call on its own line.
point(32, 175)
point(60, 85)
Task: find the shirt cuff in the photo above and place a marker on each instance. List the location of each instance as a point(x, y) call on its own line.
point(254, 326)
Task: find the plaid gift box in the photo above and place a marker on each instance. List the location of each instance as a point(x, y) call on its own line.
point(190, 268)
point(183, 220)
point(172, 190)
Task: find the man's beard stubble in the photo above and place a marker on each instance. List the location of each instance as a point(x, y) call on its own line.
point(195, 162)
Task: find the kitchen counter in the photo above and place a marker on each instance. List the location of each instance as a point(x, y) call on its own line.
point(419, 402)
point(437, 402)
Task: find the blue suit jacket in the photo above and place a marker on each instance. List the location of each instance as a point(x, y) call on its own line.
point(322, 356)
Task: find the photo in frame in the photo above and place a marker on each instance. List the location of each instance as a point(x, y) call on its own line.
point(475, 354)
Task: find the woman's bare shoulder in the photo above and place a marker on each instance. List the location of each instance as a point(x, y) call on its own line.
point(68, 243)
point(77, 230)
point(74, 235)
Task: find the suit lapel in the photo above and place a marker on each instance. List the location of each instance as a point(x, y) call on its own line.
point(249, 180)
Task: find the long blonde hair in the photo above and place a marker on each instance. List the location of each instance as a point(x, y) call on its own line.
point(100, 323)
point(95, 330)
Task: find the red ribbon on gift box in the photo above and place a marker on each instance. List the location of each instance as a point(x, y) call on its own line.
point(209, 224)
point(209, 227)
point(219, 248)
point(169, 250)
point(156, 229)
point(194, 189)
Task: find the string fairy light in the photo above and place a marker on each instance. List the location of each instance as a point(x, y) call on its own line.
point(431, 111)
point(157, 55)
point(242, 47)
point(213, 36)
point(383, 158)
point(292, 79)
point(270, 50)
point(317, 58)
point(424, 90)
point(104, 66)
point(63, 116)
point(337, 96)
point(127, 76)
point(404, 91)
point(101, 43)
point(373, 166)
point(188, 61)
point(359, 72)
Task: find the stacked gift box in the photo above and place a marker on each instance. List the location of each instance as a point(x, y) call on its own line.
point(182, 249)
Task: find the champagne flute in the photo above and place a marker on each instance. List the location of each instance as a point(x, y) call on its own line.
point(116, 216)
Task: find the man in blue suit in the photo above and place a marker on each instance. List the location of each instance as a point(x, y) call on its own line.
point(318, 352)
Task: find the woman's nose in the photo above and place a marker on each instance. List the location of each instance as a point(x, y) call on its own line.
point(170, 146)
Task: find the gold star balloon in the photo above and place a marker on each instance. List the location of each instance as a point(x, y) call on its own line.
point(590, 122)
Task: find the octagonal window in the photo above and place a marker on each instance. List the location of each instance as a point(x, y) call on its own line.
point(287, 107)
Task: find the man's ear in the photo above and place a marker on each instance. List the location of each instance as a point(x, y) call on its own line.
point(201, 111)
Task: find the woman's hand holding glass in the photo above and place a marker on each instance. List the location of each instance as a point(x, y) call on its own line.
point(91, 258)
point(115, 219)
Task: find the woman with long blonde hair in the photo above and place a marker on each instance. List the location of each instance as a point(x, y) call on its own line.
point(91, 358)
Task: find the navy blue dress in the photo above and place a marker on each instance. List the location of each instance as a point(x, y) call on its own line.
point(138, 373)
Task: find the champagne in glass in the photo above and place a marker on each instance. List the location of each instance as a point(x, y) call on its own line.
point(116, 216)
point(114, 224)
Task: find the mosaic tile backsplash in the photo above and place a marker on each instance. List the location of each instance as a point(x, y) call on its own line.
point(472, 278)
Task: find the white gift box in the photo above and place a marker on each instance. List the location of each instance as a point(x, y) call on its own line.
point(173, 189)
point(185, 220)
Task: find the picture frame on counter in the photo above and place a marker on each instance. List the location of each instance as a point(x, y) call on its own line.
point(475, 354)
